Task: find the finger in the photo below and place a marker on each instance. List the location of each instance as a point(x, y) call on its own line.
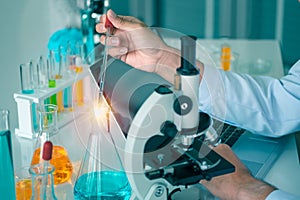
point(100, 27)
point(112, 41)
point(102, 18)
point(226, 152)
point(117, 51)
point(124, 22)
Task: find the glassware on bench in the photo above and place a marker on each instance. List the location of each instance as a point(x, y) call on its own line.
point(101, 174)
point(42, 186)
point(26, 75)
point(7, 183)
point(48, 131)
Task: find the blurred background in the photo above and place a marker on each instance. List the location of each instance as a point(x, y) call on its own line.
point(28, 24)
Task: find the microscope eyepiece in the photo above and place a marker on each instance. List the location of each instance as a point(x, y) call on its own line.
point(188, 56)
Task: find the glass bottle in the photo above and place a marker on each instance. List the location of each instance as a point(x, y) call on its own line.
point(48, 131)
point(7, 183)
point(225, 58)
point(101, 174)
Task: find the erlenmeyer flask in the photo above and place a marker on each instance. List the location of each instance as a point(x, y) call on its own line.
point(101, 175)
point(48, 131)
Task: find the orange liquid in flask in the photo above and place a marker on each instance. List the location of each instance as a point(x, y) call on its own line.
point(23, 189)
point(61, 162)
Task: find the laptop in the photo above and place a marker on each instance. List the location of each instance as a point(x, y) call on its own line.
point(258, 153)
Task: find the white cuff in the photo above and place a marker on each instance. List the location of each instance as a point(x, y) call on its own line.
point(281, 195)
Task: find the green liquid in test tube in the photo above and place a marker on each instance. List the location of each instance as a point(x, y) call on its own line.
point(51, 76)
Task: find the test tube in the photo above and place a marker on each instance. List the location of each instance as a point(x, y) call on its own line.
point(69, 65)
point(51, 76)
point(26, 75)
point(42, 80)
point(59, 75)
point(71, 57)
point(79, 84)
point(225, 59)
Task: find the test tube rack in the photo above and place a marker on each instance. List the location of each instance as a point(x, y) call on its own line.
point(25, 103)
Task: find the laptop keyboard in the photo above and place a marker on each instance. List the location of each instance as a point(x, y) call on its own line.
point(229, 134)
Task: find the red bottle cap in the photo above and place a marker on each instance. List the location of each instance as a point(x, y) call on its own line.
point(108, 23)
point(47, 151)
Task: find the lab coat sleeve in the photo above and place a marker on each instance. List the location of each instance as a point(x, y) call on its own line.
point(281, 195)
point(260, 104)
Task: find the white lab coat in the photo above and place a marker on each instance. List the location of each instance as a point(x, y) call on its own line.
point(260, 104)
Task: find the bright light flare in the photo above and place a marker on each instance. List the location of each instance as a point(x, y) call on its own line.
point(100, 110)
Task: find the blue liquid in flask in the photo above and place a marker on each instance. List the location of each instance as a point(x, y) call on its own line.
point(105, 185)
point(7, 182)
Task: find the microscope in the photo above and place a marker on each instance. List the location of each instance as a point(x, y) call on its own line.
point(167, 141)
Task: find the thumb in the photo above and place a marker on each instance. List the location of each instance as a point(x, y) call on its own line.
point(124, 22)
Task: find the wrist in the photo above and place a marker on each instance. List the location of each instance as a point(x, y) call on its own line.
point(254, 189)
point(168, 63)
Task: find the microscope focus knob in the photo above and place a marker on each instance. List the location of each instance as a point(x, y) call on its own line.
point(183, 105)
point(169, 129)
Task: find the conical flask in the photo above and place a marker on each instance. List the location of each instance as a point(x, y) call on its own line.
point(48, 131)
point(101, 174)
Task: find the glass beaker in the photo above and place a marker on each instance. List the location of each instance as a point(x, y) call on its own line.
point(7, 183)
point(23, 183)
point(42, 186)
point(101, 175)
point(48, 131)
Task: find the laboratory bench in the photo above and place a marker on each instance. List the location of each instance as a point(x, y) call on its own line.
point(74, 134)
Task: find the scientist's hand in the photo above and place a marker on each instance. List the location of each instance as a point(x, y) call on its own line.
point(240, 185)
point(134, 43)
